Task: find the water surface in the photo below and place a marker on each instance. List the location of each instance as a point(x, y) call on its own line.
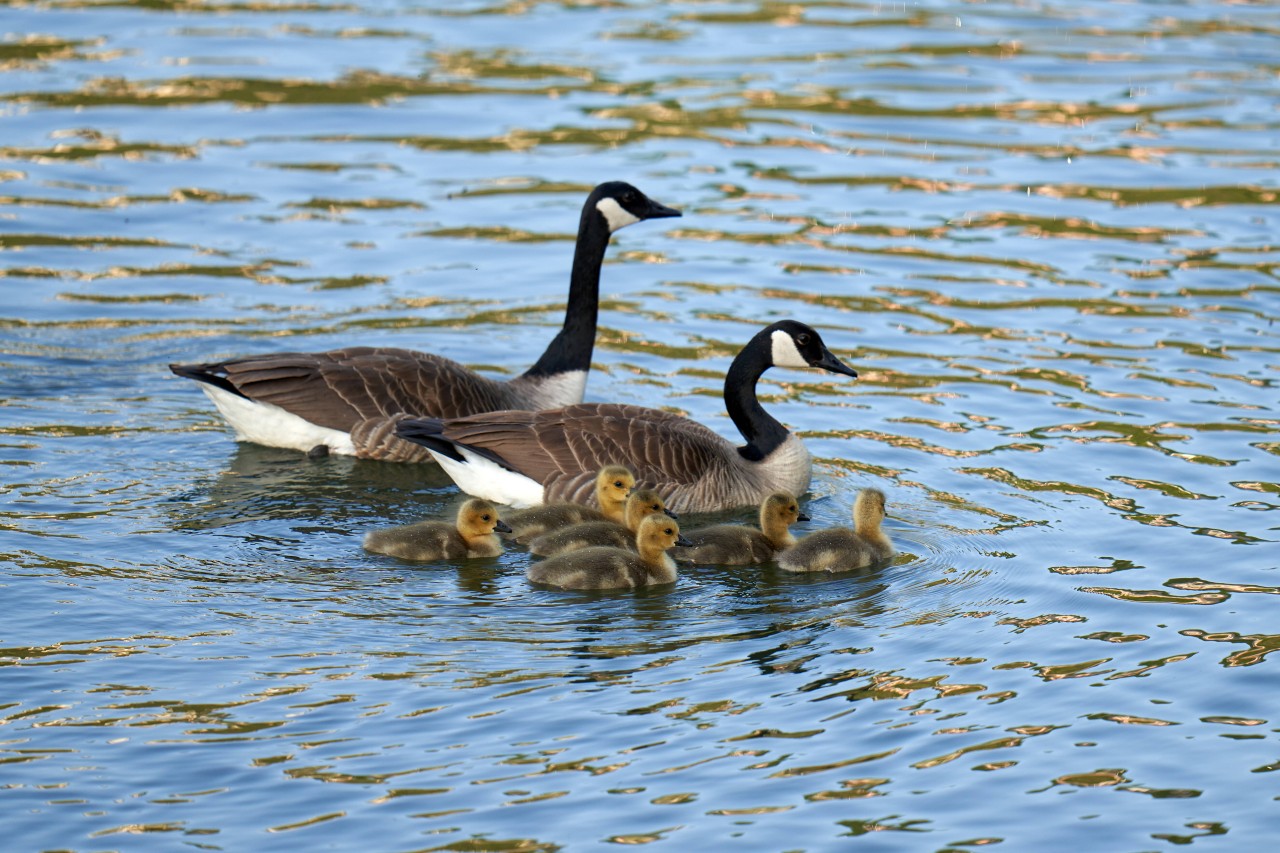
point(1043, 234)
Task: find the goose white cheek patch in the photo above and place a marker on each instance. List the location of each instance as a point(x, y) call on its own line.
point(785, 353)
point(615, 214)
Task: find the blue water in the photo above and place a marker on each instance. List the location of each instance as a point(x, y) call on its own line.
point(1043, 234)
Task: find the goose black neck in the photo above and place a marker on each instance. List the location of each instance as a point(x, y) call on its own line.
point(570, 350)
point(761, 430)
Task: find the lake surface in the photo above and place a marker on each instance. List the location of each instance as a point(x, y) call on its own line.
point(1045, 234)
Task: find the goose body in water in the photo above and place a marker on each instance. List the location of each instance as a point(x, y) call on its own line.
point(613, 485)
point(472, 534)
point(640, 505)
point(603, 567)
point(841, 549)
point(347, 401)
point(523, 458)
point(740, 545)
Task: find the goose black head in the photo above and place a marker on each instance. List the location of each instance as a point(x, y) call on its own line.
point(622, 204)
point(793, 344)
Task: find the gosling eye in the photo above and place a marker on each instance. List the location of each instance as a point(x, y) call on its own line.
point(655, 507)
point(617, 484)
point(485, 517)
point(668, 531)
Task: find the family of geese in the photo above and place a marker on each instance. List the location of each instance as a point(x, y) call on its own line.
point(594, 488)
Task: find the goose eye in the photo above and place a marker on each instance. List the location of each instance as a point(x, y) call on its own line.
point(617, 484)
point(484, 517)
point(802, 339)
point(668, 531)
point(629, 198)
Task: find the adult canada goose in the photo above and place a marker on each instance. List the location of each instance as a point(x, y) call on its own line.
point(526, 458)
point(840, 548)
point(472, 534)
point(740, 545)
point(613, 484)
point(609, 568)
point(345, 401)
point(642, 504)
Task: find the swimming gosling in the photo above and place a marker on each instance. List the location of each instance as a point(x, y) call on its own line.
point(641, 504)
point(472, 534)
point(613, 484)
point(614, 568)
point(841, 549)
point(740, 545)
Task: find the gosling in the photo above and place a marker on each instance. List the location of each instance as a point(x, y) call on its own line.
point(613, 484)
point(614, 568)
point(472, 534)
point(841, 549)
point(740, 545)
point(642, 503)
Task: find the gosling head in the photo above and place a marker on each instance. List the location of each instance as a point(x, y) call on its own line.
point(781, 508)
point(868, 509)
point(619, 204)
point(478, 518)
point(658, 533)
point(613, 484)
point(644, 502)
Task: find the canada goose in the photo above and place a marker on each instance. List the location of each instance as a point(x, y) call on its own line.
point(345, 401)
point(613, 484)
point(840, 549)
point(641, 504)
point(608, 568)
point(740, 545)
point(526, 458)
point(472, 534)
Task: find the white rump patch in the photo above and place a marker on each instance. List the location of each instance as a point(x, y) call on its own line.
point(264, 423)
point(484, 478)
point(615, 214)
point(785, 353)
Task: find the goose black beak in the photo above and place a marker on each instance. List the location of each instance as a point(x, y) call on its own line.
point(502, 527)
point(659, 211)
point(835, 365)
point(803, 517)
point(670, 513)
point(684, 541)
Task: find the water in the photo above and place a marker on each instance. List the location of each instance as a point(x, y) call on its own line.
point(1043, 233)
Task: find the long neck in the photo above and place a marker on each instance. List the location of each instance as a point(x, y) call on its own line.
point(571, 348)
point(763, 433)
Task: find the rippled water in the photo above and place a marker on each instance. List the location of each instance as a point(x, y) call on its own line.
point(1045, 235)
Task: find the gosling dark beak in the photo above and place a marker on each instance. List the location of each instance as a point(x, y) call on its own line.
point(835, 365)
point(659, 211)
point(684, 541)
point(501, 526)
point(670, 513)
point(803, 517)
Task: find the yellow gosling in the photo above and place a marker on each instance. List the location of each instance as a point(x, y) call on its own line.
point(613, 484)
point(740, 545)
point(602, 567)
point(642, 503)
point(472, 534)
point(841, 549)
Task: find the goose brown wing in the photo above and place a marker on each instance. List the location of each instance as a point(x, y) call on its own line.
point(339, 388)
point(564, 448)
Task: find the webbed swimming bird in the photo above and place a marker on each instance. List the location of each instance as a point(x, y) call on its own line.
point(523, 458)
point(614, 484)
point(740, 545)
point(641, 504)
point(472, 534)
point(347, 401)
point(610, 568)
point(840, 549)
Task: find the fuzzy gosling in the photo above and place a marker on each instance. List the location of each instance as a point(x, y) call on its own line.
point(841, 549)
point(641, 504)
point(602, 567)
point(740, 545)
point(613, 484)
point(472, 534)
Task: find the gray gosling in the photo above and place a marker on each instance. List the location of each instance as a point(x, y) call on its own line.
point(841, 549)
point(740, 545)
point(602, 567)
point(613, 484)
point(472, 534)
point(641, 504)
